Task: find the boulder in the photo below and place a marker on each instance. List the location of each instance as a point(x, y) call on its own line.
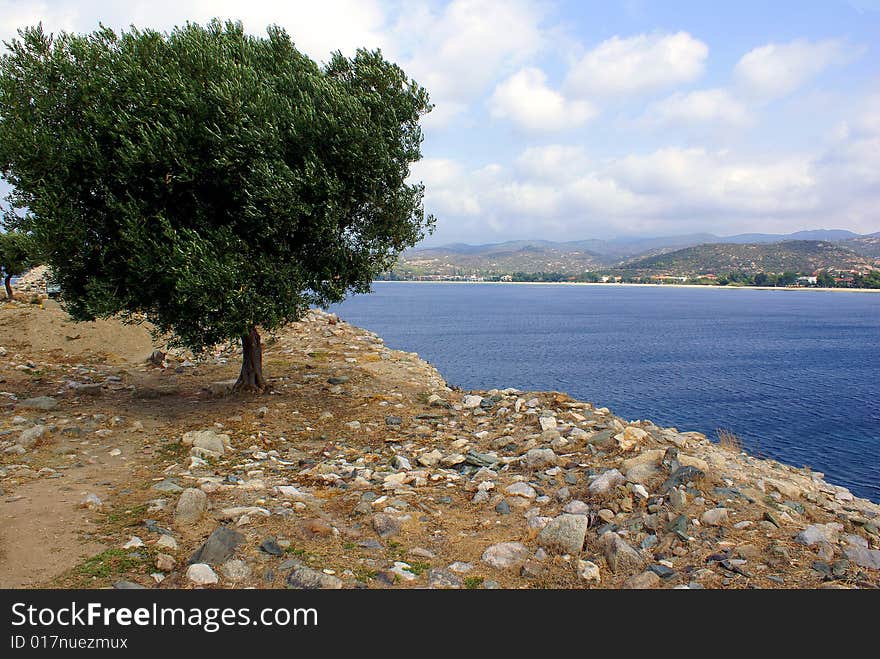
point(565, 533)
point(191, 506)
point(506, 555)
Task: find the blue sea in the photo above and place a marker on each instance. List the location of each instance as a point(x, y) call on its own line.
point(795, 374)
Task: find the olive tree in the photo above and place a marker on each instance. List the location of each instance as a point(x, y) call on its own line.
point(213, 183)
point(17, 254)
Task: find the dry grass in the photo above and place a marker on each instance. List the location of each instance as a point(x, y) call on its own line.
point(729, 441)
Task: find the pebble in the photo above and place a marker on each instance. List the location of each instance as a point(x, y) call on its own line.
point(201, 574)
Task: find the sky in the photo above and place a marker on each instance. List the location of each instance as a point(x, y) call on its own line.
point(563, 120)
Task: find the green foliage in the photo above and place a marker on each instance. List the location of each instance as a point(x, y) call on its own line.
point(206, 180)
point(17, 253)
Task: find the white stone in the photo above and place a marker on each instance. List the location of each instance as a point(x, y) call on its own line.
point(201, 574)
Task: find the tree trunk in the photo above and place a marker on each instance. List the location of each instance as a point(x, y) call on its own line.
point(8, 287)
point(251, 376)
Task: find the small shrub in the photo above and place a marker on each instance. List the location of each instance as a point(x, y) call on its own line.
point(728, 440)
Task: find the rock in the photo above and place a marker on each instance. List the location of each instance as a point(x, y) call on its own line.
point(89, 389)
point(862, 556)
point(540, 458)
point(430, 459)
point(31, 436)
point(589, 571)
point(641, 473)
point(470, 402)
point(92, 502)
point(651, 456)
point(576, 507)
point(271, 547)
point(506, 555)
point(165, 562)
point(127, 585)
point(219, 546)
point(565, 533)
point(643, 581)
point(714, 517)
point(443, 578)
point(607, 482)
point(156, 358)
point(386, 525)
point(45, 403)
point(400, 462)
point(168, 486)
point(207, 440)
point(502, 508)
point(392, 420)
point(133, 543)
point(521, 490)
point(690, 461)
point(166, 542)
point(201, 574)
point(817, 533)
point(305, 578)
point(191, 506)
point(235, 570)
point(547, 423)
point(461, 567)
point(291, 492)
point(341, 379)
point(621, 557)
point(681, 476)
point(631, 438)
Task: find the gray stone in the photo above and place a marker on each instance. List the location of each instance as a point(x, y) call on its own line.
point(439, 577)
point(341, 379)
point(539, 458)
point(235, 570)
point(506, 555)
point(644, 581)
point(45, 403)
point(642, 472)
point(29, 437)
point(201, 574)
point(207, 440)
point(128, 585)
point(191, 505)
point(470, 402)
point(565, 533)
point(714, 517)
point(862, 556)
point(392, 420)
point(89, 389)
point(305, 578)
point(219, 546)
point(816, 533)
point(521, 490)
point(168, 486)
point(271, 547)
point(386, 525)
point(576, 507)
point(607, 482)
point(621, 557)
point(503, 508)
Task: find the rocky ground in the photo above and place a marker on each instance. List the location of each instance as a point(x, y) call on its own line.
point(362, 469)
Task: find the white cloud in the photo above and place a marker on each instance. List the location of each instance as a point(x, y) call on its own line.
point(634, 65)
point(459, 51)
point(701, 106)
point(552, 162)
point(775, 70)
point(316, 27)
point(525, 99)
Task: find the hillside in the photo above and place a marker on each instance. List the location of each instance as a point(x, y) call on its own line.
point(803, 256)
point(578, 256)
point(363, 469)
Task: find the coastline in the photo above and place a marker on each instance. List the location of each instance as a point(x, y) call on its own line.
point(619, 284)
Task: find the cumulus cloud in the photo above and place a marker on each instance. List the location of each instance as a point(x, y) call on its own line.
point(315, 26)
point(775, 70)
point(525, 99)
point(705, 106)
point(457, 52)
point(639, 64)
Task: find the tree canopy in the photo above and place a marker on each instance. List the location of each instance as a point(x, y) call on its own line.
point(17, 254)
point(206, 180)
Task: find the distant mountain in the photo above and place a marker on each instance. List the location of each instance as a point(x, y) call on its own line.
point(785, 256)
point(864, 245)
point(578, 256)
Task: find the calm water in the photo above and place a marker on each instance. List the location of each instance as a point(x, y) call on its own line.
point(793, 374)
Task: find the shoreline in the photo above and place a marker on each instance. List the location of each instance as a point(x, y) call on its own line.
point(620, 284)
